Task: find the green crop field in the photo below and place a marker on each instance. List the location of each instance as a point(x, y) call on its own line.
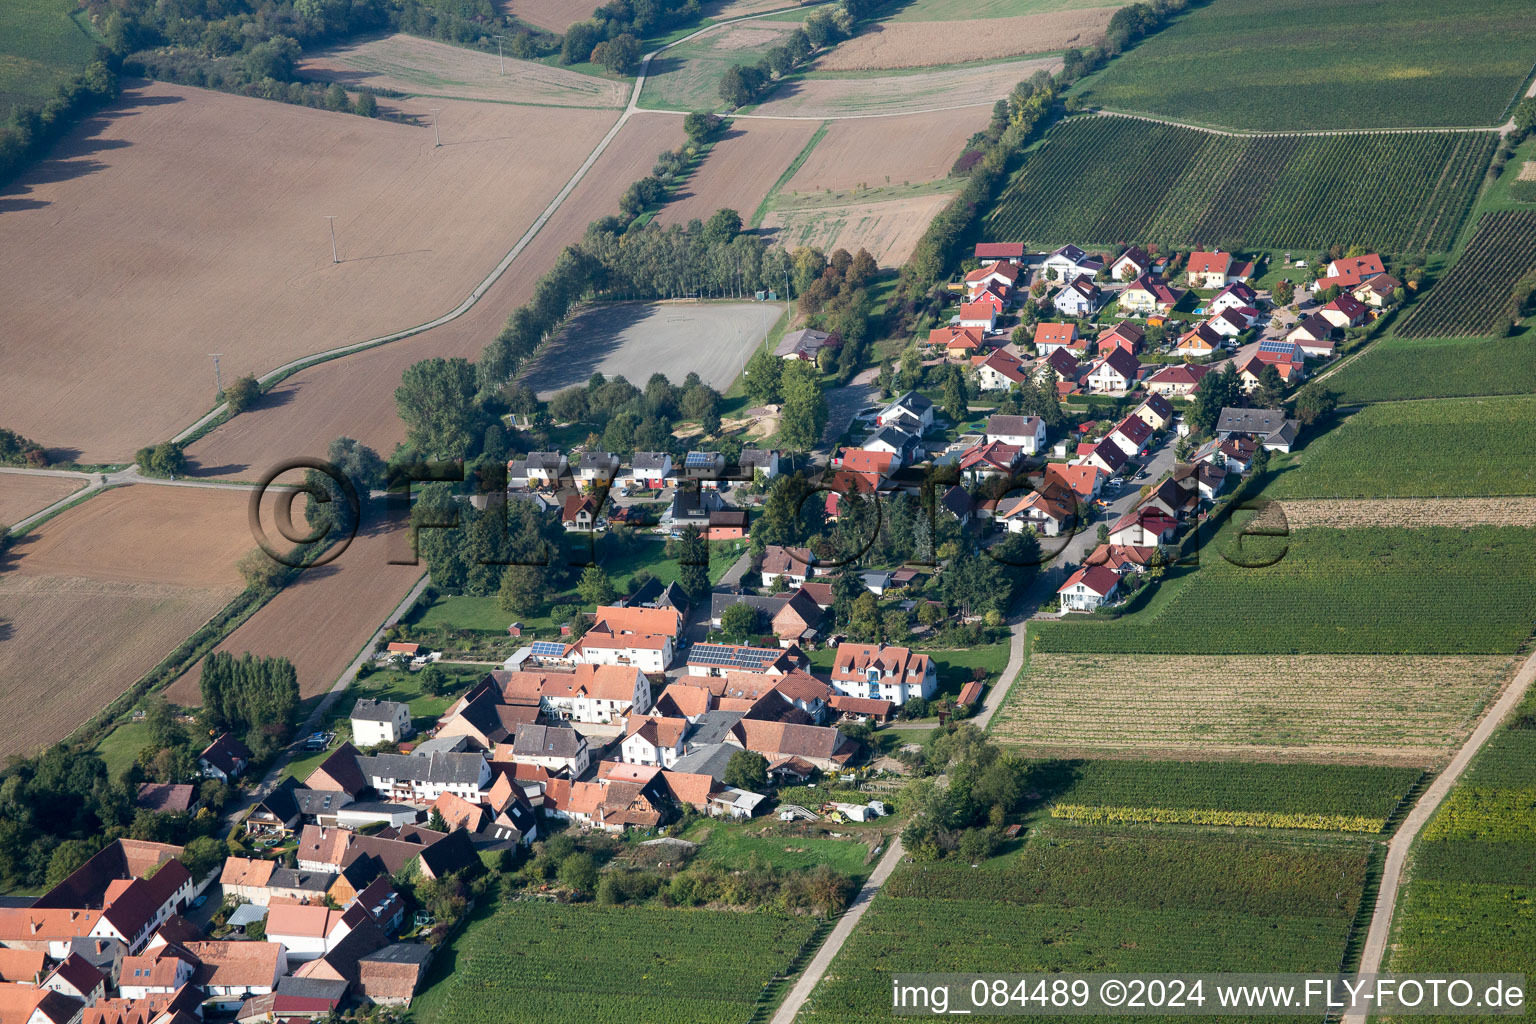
point(1479, 293)
point(1085, 903)
point(1330, 797)
point(1471, 892)
point(1372, 590)
point(41, 44)
point(1394, 369)
point(687, 76)
point(1107, 180)
point(556, 963)
point(1459, 447)
point(733, 848)
point(1315, 64)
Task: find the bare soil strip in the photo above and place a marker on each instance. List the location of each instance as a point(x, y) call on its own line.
point(914, 44)
point(1408, 512)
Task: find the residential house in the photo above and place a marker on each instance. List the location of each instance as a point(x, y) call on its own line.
point(167, 797)
point(225, 758)
point(911, 412)
point(1060, 365)
point(879, 672)
point(28, 1004)
point(1208, 478)
point(1200, 341)
point(596, 469)
point(590, 693)
point(310, 931)
point(957, 342)
point(1088, 588)
point(1236, 297)
point(22, 966)
point(1147, 296)
point(1050, 338)
point(759, 464)
point(1344, 312)
point(1171, 498)
point(1047, 516)
point(822, 746)
point(1350, 272)
point(160, 971)
point(418, 780)
point(1314, 330)
point(650, 652)
point(709, 659)
point(1378, 292)
point(1070, 262)
point(622, 620)
point(380, 721)
point(1116, 372)
point(1177, 380)
point(1121, 559)
point(993, 295)
point(578, 513)
point(727, 524)
point(1268, 427)
point(1011, 252)
point(1027, 433)
point(980, 315)
point(232, 972)
point(1080, 297)
point(1082, 481)
point(990, 459)
point(555, 748)
point(1156, 412)
point(277, 813)
point(338, 773)
point(76, 978)
point(655, 594)
point(793, 565)
point(652, 739)
point(692, 507)
point(650, 470)
point(1132, 435)
point(1124, 335)
point(806, 345)
point(1143, 527)
point(1000, 370)
point(545, 469)
point(1002, 274)
point(902, 446)
point(483, 718)
point(1215, 269)
point(1108, 457)
point(708, 468)
point(1131, 264)
point(392, 975)
point(1229, 323)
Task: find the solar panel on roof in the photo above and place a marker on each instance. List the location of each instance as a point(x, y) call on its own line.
point(1275, 346)
point(731, 657)
point(699, 459)
point(547, 648)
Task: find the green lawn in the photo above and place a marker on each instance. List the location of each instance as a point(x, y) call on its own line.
point(687, 76)
point(1311, 64)
point(556, 963)
point(1461, 447)
point(41, 45)
point(1394, 369)
point(731, 847)
point(119, 747)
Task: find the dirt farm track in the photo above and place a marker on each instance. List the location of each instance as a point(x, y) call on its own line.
point(96, 596)
point(183, 222)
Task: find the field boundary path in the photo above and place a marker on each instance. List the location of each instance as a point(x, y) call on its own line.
point(1235, 133)
point(1397, 850)
point(814, 971)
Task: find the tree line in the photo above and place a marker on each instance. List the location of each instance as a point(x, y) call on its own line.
point(249, 694)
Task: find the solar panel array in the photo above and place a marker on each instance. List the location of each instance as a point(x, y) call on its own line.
point(1277, 345)
point(699, 460)
point(547, 649)
point(727, 656)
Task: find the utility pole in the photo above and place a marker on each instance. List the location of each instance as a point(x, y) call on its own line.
point(437, 139)
point(334, 257)
point(499, 56)
point(218, 378)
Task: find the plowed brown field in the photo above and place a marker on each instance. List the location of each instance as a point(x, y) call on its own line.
point(740, 170)
point(322, 620)
point(96, 596)
point(950, 88)
point(887, 150)
point(423, 67)
point(915, 44)
point(22, 494)
point(889, 230)
point(355, 395)
point(182, 222)
point(550, 15)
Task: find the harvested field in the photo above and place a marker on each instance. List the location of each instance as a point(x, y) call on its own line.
point(1308, 707)
point(687, 76)
point(96, 596)
point(422, 67)
point(916, 44)
point(355, 395)
point(22, 494)
point(550, 15)
point(889, 230)
point(889, 151)
point(322, 620)
point(741, 8)
point(123, 255)
point(637, 339)
point(902, 94)
point(740, 170)
point(984, 10)
point(1409, 512)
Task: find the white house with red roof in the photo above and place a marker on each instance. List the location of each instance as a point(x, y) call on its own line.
point(1049, 337)
point(1004, 275)
point(1229, 323)
point(1048, 516)
point(1177, 380)
point(1350, 271)
point(1013, 252)
point(1142, 527)
point(878, 672)
point(1236, 295)
point(999, 370)
point(1216, 269)
point(1344, 312)
point(990, 460)
point(1080, 297)
point(1088, 589)
point(981, 315)
point(1131, 434)
point(1147, 295)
